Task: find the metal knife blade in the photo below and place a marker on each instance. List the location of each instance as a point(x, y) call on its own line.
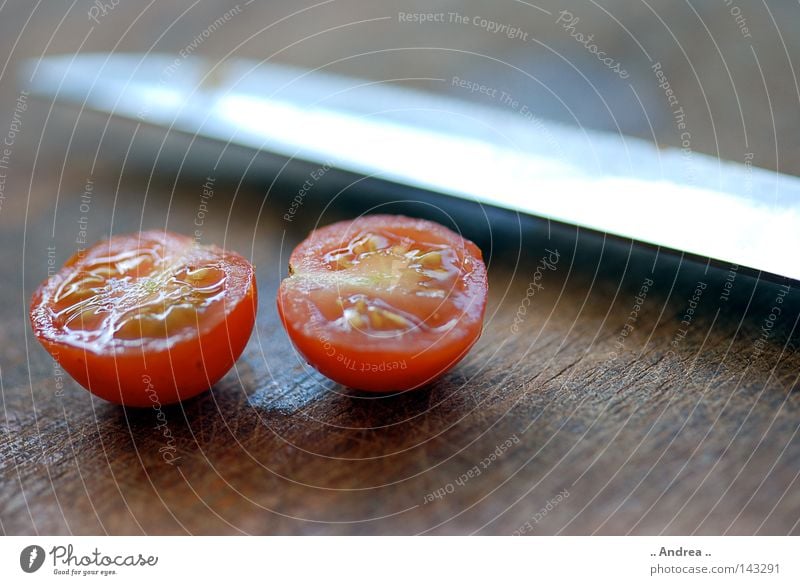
point(508, 158)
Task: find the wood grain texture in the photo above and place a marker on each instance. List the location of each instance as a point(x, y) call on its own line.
point(658, 427)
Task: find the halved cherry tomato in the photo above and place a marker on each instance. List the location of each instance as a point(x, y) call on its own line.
point(147, 318)
point(383, 302)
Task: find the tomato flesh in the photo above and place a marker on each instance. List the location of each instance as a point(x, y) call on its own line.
point(147, 318)
point(384, 303)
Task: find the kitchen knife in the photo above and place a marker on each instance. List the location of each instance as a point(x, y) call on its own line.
point(500, 156)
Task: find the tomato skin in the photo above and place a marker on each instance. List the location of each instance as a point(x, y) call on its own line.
point(412, 358)
point(382, 371)
point(147, 372)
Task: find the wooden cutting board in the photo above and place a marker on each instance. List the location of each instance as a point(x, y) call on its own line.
point(617, 390)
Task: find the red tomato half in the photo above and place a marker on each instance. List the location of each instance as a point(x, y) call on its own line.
point(384, 302)
point(147, 318)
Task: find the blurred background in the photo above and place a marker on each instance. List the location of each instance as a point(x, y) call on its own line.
point(730, 64)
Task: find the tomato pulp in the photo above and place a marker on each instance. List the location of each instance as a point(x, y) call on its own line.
point(384, 303)
point(147, 318)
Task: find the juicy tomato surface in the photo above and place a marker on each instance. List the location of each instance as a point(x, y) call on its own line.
point(383, 302)
point(147, 318)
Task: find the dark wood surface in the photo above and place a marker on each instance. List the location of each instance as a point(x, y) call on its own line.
point(659, 427)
